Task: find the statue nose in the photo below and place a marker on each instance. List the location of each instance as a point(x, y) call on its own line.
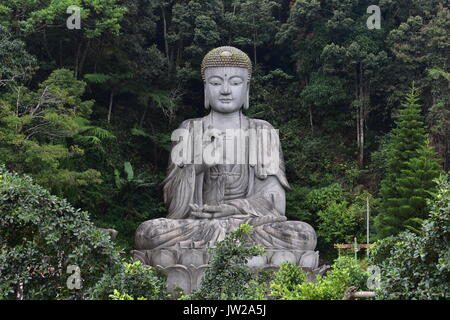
point(225, 89)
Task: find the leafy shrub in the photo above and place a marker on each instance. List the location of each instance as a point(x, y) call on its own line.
point(286, 279)
point(319, 199)
point(336, 223)
point(132, 281)
point(304, 203)
point(417, 266)
point(40, 236)
point(337, 219)
point(290, 284)
point(228, 276)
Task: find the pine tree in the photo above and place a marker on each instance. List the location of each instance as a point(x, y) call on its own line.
point(410, 170)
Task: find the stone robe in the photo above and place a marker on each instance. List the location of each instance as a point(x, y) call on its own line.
point(255, 189)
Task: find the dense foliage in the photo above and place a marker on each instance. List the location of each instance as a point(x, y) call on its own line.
point(417, 266)
point(131, 281)
point(227, 276)
point(290, 281)
point(40, 237)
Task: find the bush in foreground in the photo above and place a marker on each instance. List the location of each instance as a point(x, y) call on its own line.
point(228, 276)
point(417, 266)
point(133, 281)
point(290, 281)
point(40, 236)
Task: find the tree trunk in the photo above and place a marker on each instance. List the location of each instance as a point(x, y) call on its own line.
point(311, 120)
point(83, 58)
point(144, 114)
point(254, 51)
point(60, 54)
point(166, 44)
point(155, 148)
point(361, 139)
point(362, 97)
point(255, 36)
point(111, 100)
point(358, 123)
point(360, 114)
point(46, 45)
point(77, 58)
point(178, 56)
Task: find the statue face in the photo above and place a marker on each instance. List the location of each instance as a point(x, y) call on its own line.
point(226, 88)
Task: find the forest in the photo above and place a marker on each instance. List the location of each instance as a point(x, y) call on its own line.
point(86, 116)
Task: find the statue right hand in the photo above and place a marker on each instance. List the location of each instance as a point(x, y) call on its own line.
point(212, 149)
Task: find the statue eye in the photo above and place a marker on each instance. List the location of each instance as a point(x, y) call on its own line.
point(236, 82)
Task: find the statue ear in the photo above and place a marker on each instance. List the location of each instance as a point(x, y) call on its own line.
point(247, 99)
point(206, 98)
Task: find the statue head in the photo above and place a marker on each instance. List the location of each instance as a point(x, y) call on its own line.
point(226, 73)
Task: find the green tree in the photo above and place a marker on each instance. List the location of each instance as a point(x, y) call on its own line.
point(256, 24)
point(417, 266)
point(190, 28)
point(302, 15)
point(16, 64)
point(421, 47)
point(40, 236)
point(321, 91)
point(98, 18)
point(38, 126)
point(357, 62)
point(410, 171)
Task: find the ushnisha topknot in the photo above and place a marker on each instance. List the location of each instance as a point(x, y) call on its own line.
point(226, 57)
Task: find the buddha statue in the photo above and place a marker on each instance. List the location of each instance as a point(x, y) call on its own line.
point(225, 169)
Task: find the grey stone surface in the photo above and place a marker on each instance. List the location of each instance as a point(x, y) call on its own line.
point(208, 199)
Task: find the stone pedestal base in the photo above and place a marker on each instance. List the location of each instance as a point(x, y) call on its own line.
point(185, 268)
